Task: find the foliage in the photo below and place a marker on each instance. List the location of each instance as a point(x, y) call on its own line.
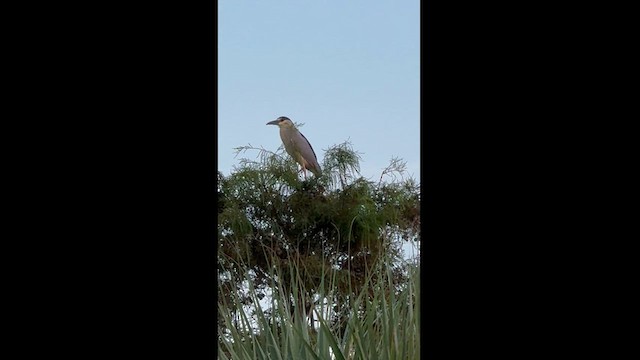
point(333, 239)
point(384, 321)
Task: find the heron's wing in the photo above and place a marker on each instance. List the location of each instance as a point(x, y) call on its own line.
point(308, 153)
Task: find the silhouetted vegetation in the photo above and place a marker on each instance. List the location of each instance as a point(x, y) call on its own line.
point(331, 242)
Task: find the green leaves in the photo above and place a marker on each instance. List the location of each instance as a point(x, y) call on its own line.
point(381, 322)
point(342, 164)
point(330, 243)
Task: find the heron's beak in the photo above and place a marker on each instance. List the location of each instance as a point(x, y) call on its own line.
point(274, 122)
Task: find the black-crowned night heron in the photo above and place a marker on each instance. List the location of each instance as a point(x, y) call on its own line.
point(297, 145)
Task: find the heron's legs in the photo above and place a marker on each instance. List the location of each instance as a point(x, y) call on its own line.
point(304, 171)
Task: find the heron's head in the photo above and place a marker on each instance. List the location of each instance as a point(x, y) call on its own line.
point(282, 121)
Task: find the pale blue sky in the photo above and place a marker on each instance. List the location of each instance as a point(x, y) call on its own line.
point(346, 69)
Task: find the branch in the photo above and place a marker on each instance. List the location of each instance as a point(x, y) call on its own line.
point(396, 165)
point(261, 150)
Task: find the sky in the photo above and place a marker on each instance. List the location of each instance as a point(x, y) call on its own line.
point(347, 70)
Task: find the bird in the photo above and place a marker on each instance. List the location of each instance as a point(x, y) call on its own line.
point(297, 146)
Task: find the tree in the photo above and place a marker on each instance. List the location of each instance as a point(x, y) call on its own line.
point(277, 229)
